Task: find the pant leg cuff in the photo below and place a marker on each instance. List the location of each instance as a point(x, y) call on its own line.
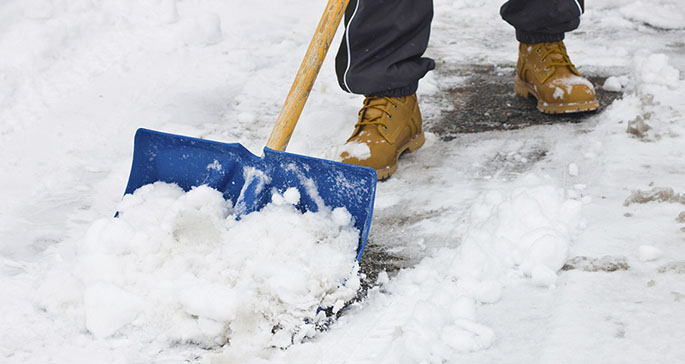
point(533, 38)
point(397, 92)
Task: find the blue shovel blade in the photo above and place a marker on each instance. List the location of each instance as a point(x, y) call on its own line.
point(249, 181)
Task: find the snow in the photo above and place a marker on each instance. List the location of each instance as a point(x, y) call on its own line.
point(201, 31)
point(292, 196)
point(108, 308)
point(360, 151)
point(558, 93)
point(665, 15)
point(655, 70)
point(612, 84)
point(649, 253)
point(178, 267)
point(506, 252)
point(570, 81)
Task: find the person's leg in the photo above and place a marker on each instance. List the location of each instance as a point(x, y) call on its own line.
point(544, 69)
point(381, 52)
point(538, 21)
point(381, 58)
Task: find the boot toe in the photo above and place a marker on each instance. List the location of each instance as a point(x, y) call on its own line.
point(572, 89)
point(373, 156)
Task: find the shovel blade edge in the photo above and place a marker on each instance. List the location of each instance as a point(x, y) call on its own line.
point(249, 181)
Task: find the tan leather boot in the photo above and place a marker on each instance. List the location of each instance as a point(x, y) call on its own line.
point(387, 127)
point(545, 71)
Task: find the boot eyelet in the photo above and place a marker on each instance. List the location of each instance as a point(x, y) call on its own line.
point(385, 128)
point(394, 106)
point(389, 116)
point(546, 69)
point(537, 51)
point(544, 60)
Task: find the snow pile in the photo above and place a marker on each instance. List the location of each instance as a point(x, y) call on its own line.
point(523, 234)
point(654, 70)
point(528, 231)
point(179, 267)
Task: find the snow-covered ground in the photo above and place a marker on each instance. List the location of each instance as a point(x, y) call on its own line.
point(550, 244)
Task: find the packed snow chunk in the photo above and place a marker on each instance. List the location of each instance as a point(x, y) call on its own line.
point(572, 169)
point(339, 304)
point(649, 253)
point(548, 248)
point(612, 84)
point(179, 266)
point(108, 308)
point(382, 278)
point(341, 216)
point(292, 196)
point(654, 69)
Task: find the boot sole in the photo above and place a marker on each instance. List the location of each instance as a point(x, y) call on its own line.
point(524, 89)
point(412, 145)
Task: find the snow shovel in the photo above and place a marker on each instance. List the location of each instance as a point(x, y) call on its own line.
point(249, 181)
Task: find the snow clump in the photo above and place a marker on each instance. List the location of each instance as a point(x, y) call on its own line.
point(655, 70)
point(612, 84)
point(649, 253)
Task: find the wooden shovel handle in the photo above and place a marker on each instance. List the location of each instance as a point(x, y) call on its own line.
point(306, 75)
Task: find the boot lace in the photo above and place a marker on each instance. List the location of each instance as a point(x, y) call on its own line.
point(365, 119)
point(555, 48)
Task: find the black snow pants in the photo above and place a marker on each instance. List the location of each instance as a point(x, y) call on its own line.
point(381, 51)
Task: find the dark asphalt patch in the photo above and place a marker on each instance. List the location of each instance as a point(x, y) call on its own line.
point(486, 101)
